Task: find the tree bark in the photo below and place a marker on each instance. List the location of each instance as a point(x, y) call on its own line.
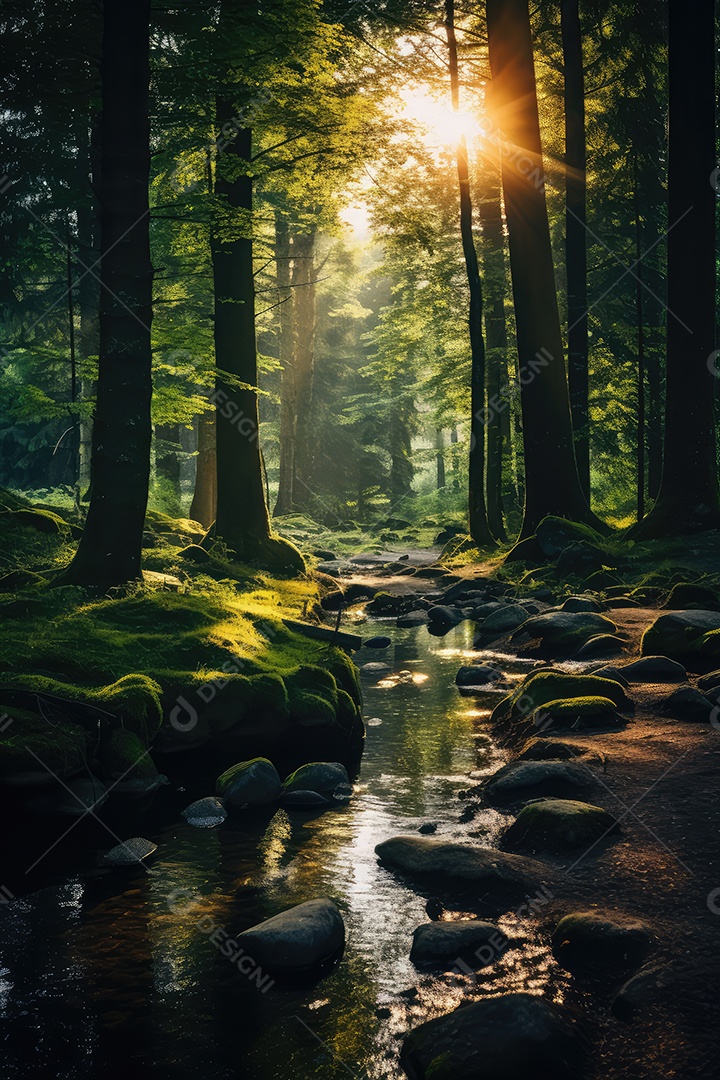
point(689, 500)
point(576, 236)
point(552, 485)
point(498, 404)
point(288, 407)
point(242, 514)
point(110, 548)
point(204, 504)
point(479, 528)
point(439, 460)
point(304, 323)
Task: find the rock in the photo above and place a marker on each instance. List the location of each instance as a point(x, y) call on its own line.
point(522, 780)
point(205, 813)
point(441, 616)
point(333, 601)
point(250, 783)
point(680, 634)
point(567, 630)
point(549, 685)
point(130, 852)
point(600, 645)
point(324, 553)
point(43, 521)
point(612, 673)
point(327, 778)
point(304, 799)
point(376, 669)
point(622, 602)
point(684, 597)
point(551, 750)
point(509, 1037)
point(577, 714)
point(581, 603)
point(649, 986)
point(555, 534)
point(447, 940)
point(654, 669)
point(580, 559)
point(710, 681)
point(413, 618)
point(428, 828)
point(508, 617)
point(558, 825)
point(690, 704)
point(480, 675)
point(596, 943)
point(300, 939)
point(379, 642)
point(486, 867)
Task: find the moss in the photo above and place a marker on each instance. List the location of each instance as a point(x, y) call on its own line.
point(29, 744)
point(43, 521)
point(546, 686)
point(122, 754)
point(574, 711)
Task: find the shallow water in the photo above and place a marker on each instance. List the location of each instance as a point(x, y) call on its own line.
point(114, 973)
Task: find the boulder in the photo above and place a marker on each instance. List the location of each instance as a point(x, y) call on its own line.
point(249, 783)
point(649, 986)
point(606, 671)
point(521, 780)
point(581, 603)
point(375, 669)
point(297, 940)
point(600, 645)
point(711, 681)
point(566, 631)
point(486, 867)
point(558, 825)
point(680, 633)
point(327, 778)
point(578, 714)
point(507, 617)
point(549, 685)
point(379, 642)
point(304, 799)
point(205, 813)
point(447, 940)
point(130, 852)
point(508, 1037)
point(598, 943)
point(481, 675)
point(685, 596)
point(555, 534)
point(690, 704)
point(552, 750)
point(194, 553)
point(413, 618)
point(654, 669)
point(580, 559)
point(440, 617)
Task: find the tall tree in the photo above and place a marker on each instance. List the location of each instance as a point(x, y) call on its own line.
point(552, 485)
point(242, 514)
point(288, 409)
point(479, 528)
point(689, 499)
point(110, 548)
point(576, 235)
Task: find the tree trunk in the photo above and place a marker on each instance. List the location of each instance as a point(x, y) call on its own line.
point(288, 408)
point(204, 504)
point(242, 515)
point(88, 290)
point(110, 549)
point(479, 528)
point(493, 264)
point(439, 460)
point(640, 319)
point(576, 236)
point(688, 500)
point(304, 321)
point(552, 485)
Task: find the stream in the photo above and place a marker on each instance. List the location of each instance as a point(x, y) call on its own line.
point(112, 973)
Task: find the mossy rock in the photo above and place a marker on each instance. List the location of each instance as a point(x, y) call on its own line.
point(43, 521)
point(567, 630)
point(557, 825)
point(542, 687)
point(689, 597)
point(327, 778)
point(577, 714)
point(32, 747)
point(555, 534)
point(683, 633)
point(123, 755)
point(249, 783)
point(195, 554)
point(592, 943)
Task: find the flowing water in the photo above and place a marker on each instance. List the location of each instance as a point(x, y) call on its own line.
point(111, 973)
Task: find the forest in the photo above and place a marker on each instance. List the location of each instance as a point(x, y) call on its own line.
point(359, 539)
